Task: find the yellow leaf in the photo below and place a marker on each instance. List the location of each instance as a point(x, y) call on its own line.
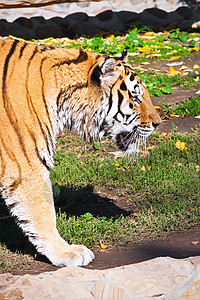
point(197, 168)
point(143, 168)
point(196, 72)
point(158, 108)
point(181, 145)
point(183, 67)
point(149, 167)
point(172, 72)
point(145, 49)
point(175, 57)
point(111, 37)
point(103, 246)
point(117, 164)
point(195, 48)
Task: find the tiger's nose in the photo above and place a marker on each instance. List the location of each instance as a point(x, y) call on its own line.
point(155, 124)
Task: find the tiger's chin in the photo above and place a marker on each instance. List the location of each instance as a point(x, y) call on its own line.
point(130, 142)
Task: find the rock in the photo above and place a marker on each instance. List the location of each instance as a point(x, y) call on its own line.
point(159, 278)
point(24, 22)
point(156, 17)
point(128, 17)
point(18, 31)
point(108, 21)
point(185, 12)
point(83, 29)
point(45, 31)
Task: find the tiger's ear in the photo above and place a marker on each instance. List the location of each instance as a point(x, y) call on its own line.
point(122, 56)
point(108, 72)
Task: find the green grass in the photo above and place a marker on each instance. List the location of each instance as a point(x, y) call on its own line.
point(189, 107)
point(163, 191)
point(159, 84)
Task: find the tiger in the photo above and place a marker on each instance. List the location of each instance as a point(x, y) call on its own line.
point(45, 89)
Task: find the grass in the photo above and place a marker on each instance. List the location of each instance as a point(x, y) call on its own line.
point(163, 190)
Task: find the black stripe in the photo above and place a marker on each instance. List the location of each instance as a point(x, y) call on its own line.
point(5, 69)
point(22, 50)
point(120, 99)
point(42, 160)
point(110, 103)
point(132, 77)
point(43, 96)
point(8, 108)
point(123, 86)
point(83, 56)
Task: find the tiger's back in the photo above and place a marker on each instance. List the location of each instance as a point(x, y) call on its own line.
point(44, 89)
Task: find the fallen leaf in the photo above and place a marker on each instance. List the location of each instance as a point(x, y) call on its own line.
point(195, 243)
point(198, 92)
point(143, 168)
point(103, 246)
point(158, 108)
point(194, 49)
point(196, 67)
point(180, 145)
point(197, 168)
point(145, 49)
point(197, 117)
point(151, 147)
point(172, 72)
point(196, 79)
point(175, 57)
point(117, 154)
point(152, 210)
point(175, 64)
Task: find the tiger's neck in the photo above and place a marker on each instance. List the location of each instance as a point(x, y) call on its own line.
point(80, 103)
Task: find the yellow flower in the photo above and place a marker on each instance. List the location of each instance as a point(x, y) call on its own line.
point(181, 146)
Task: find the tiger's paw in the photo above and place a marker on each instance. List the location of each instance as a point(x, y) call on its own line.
point(76, 255)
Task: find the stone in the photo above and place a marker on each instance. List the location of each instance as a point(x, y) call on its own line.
point(3, 26)
point(128, 17)
point(24, 22)
point(45, 31)
point(159, 278)
point(18, 31)
point(147, 18)
point(83, 29)
point(108, 22)
point(185, 12)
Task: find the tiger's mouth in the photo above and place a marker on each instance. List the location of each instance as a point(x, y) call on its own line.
point(124, 139)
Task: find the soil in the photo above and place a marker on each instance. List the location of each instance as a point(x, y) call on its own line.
point(177, 244)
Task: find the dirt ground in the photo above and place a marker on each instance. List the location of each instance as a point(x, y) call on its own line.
point(177, 244)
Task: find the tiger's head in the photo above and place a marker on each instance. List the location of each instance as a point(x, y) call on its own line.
point(127, 115)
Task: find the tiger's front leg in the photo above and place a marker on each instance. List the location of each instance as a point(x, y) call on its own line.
point(32, 203)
